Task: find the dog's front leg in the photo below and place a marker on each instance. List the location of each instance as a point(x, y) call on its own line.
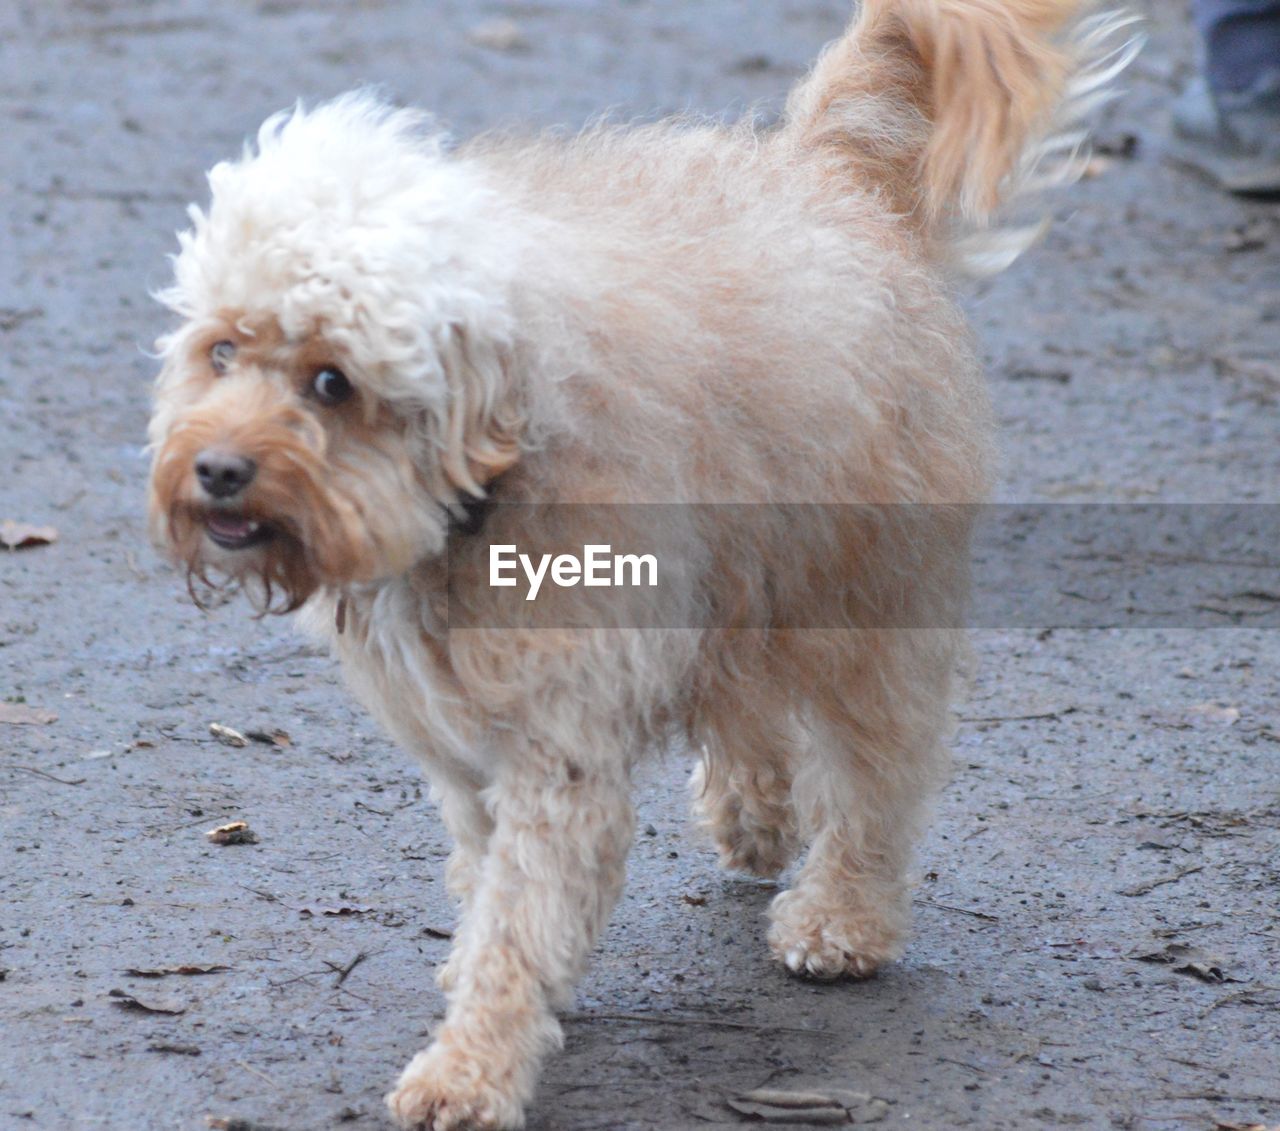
point(552, 871)
point(462, 808)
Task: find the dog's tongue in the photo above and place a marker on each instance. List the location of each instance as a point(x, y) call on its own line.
point(230, 527)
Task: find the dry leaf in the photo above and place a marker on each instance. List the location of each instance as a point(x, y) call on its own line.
point(1206, 971)
point(237, 832)
point(227, 736)
point(19, 714)
point(767, 1113)
point(499, 35)
point(1191, 960)
point(273, 737)
point(830, 1106)
point(131, 1003)
point(19, 535)
point(437, 932)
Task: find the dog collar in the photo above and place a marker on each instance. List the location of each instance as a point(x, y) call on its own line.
point(469, 514)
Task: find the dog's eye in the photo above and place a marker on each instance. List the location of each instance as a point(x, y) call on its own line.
point(220, 355)
point(331, 386)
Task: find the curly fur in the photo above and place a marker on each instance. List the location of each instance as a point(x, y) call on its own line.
point(677, 313)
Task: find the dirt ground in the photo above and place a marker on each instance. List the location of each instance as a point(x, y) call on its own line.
point(1116, 792)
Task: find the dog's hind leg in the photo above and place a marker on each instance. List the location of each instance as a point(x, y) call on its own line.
point(862, 795)
point(742, 796)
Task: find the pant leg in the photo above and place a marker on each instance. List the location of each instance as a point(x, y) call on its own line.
point(1242, 41)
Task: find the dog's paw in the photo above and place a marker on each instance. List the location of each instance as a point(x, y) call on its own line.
point(814, 939)
point(444, 1090)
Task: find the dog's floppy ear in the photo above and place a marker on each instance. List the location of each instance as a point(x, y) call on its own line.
point(484, 423)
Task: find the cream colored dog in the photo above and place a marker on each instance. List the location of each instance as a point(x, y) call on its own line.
point(379, 332)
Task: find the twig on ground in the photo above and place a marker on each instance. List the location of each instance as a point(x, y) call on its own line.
point(1142, 889)
point(965, 1064)
point(1242, 997)
point(959, 910)
point(51, 777)
point(257, 1072)
point(1017, 718)
point(343, 971)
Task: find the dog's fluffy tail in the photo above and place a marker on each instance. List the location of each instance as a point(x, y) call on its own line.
point(953, 107)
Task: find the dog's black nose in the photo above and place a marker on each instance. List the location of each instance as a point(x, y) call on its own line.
point(224, 474)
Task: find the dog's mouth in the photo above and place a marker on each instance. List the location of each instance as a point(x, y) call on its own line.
point(236, 532)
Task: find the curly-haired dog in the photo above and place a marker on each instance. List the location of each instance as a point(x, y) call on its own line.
point(379, 331)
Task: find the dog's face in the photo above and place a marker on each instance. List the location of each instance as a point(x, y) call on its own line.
point(272, 463)
point(342, 377)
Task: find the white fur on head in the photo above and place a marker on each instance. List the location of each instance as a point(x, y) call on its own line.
point(349, 220)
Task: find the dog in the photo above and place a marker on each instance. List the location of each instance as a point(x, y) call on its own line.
point(390, 349)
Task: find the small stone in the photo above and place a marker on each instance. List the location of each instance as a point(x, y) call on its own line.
point(237, 832)
point(228, 736)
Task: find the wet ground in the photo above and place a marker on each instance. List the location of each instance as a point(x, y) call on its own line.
point(1116, 793)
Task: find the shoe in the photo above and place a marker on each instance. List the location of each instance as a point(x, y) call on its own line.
point(1233, 137)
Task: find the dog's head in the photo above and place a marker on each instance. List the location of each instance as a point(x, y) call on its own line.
point(342, 376)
